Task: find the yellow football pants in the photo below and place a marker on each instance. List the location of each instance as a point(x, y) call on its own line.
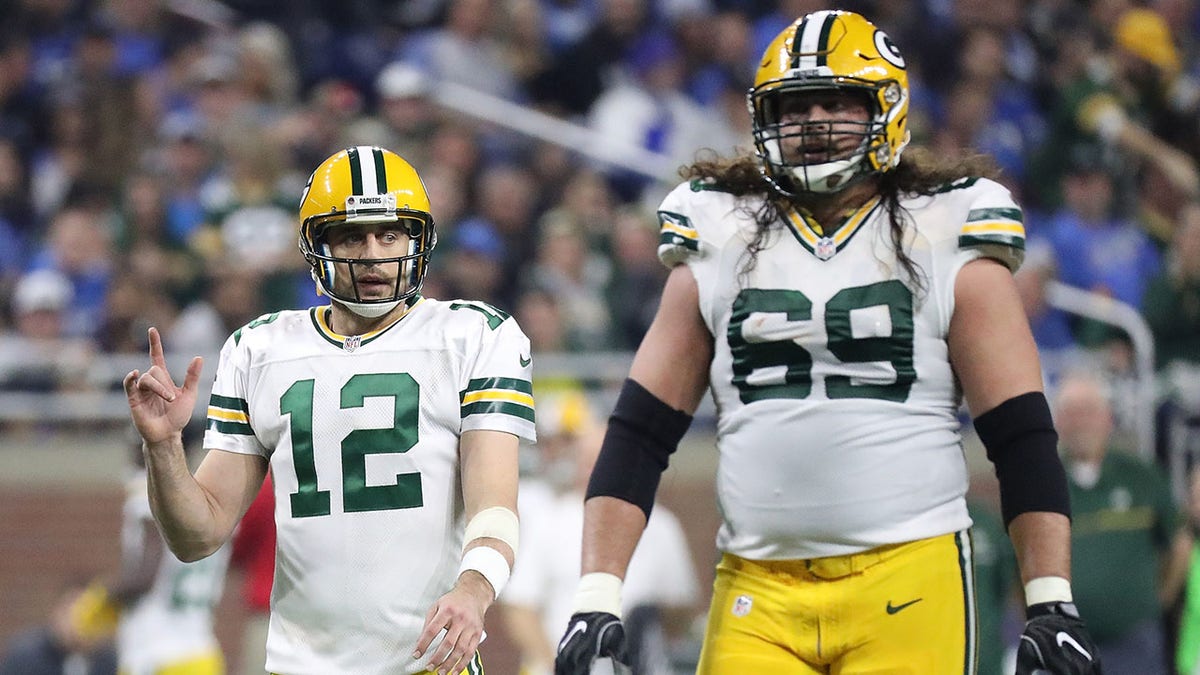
point(900, 609)
point(207, 663)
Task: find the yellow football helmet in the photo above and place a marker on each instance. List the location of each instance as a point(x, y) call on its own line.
point(366, 184)
point(821, 51)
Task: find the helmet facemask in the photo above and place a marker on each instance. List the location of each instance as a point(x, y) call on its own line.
point(829, 162)
point(409, 269)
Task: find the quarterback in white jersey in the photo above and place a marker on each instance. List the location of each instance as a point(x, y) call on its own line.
point(839, 303)
point(391, 425)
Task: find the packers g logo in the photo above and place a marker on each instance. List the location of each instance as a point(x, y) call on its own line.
point(888, 50)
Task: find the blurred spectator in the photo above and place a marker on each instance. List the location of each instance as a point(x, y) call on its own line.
point(57, 648)
point(1169, 95)
point(185, 164)
point(1128, 557)
point(131, 307)
point(987, 110)
point(540, 316)
point(537, 600)
point(571, 84)
point(1051, 326)
point(231, 300)
point(59, 164)
point(253, 553)
point(1097, 248)
point(406, 116)
point(567, 269)
point(507, 198)
point(465, 51)
point(649, 110)
point(37, 355)
point(148, 251)
point(79, 246)
point(476, 265)
point(637, 278)
point(1172, 298)
point(251, 222)
point(266, 71)
point(16, 215)
point(719, 56)
point(1099, 103)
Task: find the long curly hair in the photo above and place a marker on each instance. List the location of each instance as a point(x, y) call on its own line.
point(920, 172)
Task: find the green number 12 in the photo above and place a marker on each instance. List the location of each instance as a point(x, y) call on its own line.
point(405, 493)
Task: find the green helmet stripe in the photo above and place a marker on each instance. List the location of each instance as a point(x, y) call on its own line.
point(823, 41)
point(356, 177)
point(380, 172)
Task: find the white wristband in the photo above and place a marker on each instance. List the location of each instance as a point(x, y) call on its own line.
point(599, 592)
point(1047, 589)
point(490, 563)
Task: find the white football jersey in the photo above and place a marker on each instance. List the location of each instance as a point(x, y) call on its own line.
point(173, 620)
point(362, 433)
point(836, 401)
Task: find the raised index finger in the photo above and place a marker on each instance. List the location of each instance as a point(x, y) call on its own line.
point(156, 349)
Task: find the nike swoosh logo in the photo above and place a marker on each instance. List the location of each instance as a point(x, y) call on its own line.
point(579, 627)
point(525, 360)
point(1065, 639)
point(892, 609)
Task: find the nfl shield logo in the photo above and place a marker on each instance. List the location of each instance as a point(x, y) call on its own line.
point(351, 343)
point(741, 606)
point(825, 248)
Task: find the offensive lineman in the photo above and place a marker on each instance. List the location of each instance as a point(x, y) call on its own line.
point(389, 421)
point(839, 303)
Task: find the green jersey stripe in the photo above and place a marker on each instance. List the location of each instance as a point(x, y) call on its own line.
point(974, 240)
point(482, 383)
point(1014, 215)
point(228, 403)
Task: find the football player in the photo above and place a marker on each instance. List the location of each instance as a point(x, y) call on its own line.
point(838, 302)
point(391, 424)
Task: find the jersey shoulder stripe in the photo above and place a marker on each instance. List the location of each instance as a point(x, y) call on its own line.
point(229, 415)
point(503, 395)
point(975, 215)
point(694, 220)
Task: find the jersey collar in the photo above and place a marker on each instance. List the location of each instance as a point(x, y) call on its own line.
point(811, 235)
point(349, 343)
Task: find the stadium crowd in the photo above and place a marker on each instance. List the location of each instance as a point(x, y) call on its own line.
point(153, 152)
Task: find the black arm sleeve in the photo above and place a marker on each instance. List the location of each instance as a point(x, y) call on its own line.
point(1023, 446)
point(642, 433)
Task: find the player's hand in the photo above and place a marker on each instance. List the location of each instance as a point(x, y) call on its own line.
point(159, 409)
point(460, 614)
point(1056, 641)
point(590, 636)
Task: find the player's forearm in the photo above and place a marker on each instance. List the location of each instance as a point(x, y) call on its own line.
point(181, 507)
point(611, 530)
point(1042, 542)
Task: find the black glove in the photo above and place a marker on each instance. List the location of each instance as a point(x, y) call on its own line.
point(1056, 641)
point(590, 636)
